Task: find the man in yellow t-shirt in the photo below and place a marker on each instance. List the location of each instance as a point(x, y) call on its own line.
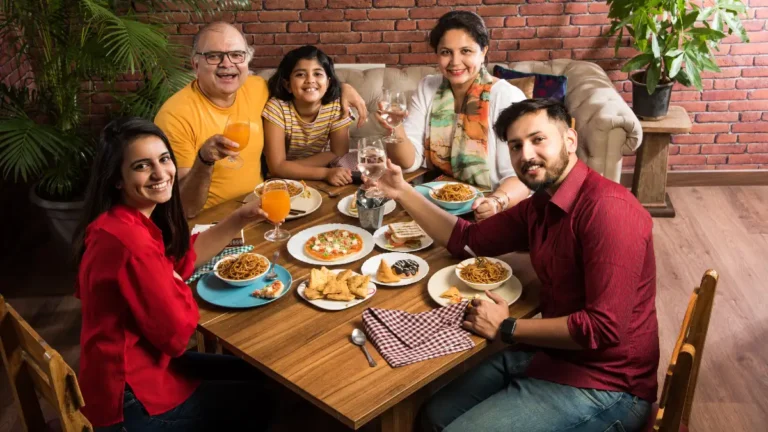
point(194, 119)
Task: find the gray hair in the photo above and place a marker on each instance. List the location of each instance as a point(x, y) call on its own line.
point(215, 26)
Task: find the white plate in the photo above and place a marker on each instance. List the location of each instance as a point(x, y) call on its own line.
point(381, 241)
point(343, 206)
point(335, 305)
point(441, 281)
point(296, 244)
point(309, 204)
point(372, 265)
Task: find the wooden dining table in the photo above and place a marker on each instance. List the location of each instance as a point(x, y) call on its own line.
point(309, 351)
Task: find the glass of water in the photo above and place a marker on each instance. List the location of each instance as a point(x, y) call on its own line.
point(393, 111)
point(372, 162)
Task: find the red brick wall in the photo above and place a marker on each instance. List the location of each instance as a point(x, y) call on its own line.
point(730, 116)
point(11, 71)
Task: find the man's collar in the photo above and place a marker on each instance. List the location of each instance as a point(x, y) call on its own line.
point(566, 194)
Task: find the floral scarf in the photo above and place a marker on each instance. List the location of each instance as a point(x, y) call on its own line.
point(458, 143)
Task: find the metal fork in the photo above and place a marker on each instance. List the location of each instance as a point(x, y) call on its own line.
point(272, 275)
point(329, 193)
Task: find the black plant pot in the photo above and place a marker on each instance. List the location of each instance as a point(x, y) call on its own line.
point(649, 106)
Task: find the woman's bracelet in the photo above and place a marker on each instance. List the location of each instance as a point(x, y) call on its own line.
point(503, 202)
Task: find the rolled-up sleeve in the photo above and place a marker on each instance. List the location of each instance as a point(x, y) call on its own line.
point(613, 258)
point(502, 233)
point(186, 265)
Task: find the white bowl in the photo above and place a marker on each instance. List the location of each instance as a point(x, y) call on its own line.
point(241, 282)
point(295, 183)
point(479, 286)
point(452, 205)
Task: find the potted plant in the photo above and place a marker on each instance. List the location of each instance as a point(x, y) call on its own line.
point(675, 39)
point(71, 45)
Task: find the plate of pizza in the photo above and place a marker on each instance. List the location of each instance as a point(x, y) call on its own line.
point(331, 244)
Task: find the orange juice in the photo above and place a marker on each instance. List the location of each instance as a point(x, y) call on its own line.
point(277, 204)
point(239, 133)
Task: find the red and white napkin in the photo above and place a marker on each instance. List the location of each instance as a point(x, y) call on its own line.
point(403, 338)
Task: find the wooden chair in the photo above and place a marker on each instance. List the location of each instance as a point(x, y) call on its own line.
point(674, 410)
point(34, 367)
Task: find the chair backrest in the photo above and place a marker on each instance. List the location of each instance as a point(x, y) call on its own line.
point(680, 381)
point(34, 367)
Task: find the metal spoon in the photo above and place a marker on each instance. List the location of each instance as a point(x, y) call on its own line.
point(272, 274)
point(358, 338)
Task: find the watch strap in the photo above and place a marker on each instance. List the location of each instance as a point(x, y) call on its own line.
point(507, 330)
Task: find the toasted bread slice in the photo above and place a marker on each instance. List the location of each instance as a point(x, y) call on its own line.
point(403, 231)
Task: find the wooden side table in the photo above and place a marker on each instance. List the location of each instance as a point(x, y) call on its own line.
point(649, 184)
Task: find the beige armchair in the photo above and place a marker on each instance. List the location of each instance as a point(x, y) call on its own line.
point(606, 125)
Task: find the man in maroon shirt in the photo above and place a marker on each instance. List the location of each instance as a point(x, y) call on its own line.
point(595, 350)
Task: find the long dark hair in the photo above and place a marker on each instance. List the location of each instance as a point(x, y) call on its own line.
point(277, 82)
point(102, 193)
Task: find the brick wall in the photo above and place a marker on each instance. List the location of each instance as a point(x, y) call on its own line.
point(11, 71)
point(730, 116)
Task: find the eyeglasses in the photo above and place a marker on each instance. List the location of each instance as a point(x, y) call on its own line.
point(214, 58)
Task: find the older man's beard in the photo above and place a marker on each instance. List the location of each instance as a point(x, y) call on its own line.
point(552, 172)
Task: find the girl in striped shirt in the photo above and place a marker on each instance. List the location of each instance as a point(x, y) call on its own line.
point(305, 130)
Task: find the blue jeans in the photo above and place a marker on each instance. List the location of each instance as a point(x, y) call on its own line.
point(497, 396)
point(230, 398)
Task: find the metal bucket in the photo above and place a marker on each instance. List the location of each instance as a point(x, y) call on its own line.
point(370, 211)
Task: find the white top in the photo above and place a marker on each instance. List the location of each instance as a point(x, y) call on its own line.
point(503, 94)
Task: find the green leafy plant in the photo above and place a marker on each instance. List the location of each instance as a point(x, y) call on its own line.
point(675, 38)
point(71, 45)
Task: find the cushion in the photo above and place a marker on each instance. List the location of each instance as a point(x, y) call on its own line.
point(545, 86)
point(525, 84)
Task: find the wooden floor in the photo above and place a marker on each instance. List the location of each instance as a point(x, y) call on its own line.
point(724, 228)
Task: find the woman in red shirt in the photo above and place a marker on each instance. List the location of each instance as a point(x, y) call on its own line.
point(134, 252)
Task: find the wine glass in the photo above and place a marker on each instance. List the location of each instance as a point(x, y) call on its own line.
point(238, 129)
point(372, 162)
point(276, 202)
point(393, 111)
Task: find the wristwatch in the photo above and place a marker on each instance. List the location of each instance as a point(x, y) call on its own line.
point(507, 330)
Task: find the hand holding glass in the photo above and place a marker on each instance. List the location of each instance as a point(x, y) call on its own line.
point(276, 202)
point(372, 162)
point(238, 129)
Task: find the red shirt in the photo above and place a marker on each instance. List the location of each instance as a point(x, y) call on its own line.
point(136, 317)
point(591, 246)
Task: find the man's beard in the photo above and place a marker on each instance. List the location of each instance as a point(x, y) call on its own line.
point(551, 174)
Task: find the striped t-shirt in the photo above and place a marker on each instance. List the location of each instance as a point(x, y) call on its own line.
point(302, 138)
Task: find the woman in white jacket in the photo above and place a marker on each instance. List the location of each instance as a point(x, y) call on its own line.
point(451, 116)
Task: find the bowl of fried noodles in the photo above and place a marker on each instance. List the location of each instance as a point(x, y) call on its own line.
point(483, 273)
point(241, 270)
point(295, 188)
point(453, 196)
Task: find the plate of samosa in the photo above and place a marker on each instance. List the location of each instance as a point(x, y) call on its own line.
point(336, 289)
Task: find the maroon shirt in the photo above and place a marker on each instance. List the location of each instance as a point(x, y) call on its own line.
point(136, 317)
point(591, 246)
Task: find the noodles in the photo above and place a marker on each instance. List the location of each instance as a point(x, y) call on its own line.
point(293, 189)
point(483, 271)
point(244, 266)
point(454, 192)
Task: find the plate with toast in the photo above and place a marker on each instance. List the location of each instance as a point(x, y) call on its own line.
point(395, 269)
point(348, 206)
point(336, 289)
point(402, 237)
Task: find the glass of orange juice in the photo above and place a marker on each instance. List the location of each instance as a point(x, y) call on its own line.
point(238, 129)
point(276, 202)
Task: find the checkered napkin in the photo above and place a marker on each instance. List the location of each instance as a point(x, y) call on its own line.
point(205, 268)
point(403, 338)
